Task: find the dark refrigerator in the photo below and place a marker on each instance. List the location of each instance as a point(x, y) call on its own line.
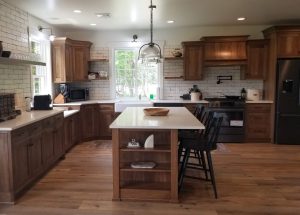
point(287, 119)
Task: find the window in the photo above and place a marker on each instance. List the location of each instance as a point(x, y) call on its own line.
point(134, 79)
point(40, 75)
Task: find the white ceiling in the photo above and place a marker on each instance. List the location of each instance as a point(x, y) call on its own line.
point(135, 14)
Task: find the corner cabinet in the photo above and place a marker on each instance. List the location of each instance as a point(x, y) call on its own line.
point(193, 60)
point(70, 60)
point(257, 59)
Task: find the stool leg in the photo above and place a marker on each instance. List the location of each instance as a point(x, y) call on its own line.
point(204, 163)
point(211, 171)
point(183, 167)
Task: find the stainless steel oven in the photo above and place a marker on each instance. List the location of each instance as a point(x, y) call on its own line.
point(233, 113)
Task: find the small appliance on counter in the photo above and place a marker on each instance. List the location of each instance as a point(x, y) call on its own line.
point(253, 95)
point(73, 94)
point(42, 102)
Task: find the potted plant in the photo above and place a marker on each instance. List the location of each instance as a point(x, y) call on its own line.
point(195, 93)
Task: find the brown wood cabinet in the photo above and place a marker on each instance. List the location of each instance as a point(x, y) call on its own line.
point(288, 44)
point(258, 122)
point(89, 122)
point(106, 115)
point(193, 60)
point(27, 153)
point(159, 183)
point(70, 60)
point(257, 59)
point(225, 48)
point(71, 131)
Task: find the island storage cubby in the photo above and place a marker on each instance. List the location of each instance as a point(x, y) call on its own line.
point(144, 183)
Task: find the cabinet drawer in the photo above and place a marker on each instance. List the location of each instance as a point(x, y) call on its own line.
point(258, 107)
point(106, 107)
point(58, 121)
point(20, 134)
point(258, 132)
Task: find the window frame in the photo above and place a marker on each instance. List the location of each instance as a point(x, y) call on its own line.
point(130, 45)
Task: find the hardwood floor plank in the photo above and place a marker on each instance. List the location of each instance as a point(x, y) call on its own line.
point(256, 179)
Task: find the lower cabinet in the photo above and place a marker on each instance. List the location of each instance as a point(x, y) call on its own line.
point(106, 115)
point(33, 149)
point(258, 122)
point(71, 131)
point(89, 122)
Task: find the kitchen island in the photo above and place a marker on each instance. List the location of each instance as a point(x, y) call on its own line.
point(158, 183)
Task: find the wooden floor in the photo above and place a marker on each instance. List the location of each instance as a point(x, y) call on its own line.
point(251, 179)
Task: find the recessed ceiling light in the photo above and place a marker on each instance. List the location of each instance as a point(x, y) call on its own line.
point(77, 11)
point(93, 24)
point(170, 21)
point(241, 18)
point(103, 15)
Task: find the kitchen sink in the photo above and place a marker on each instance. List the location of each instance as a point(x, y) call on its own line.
point(122, 105)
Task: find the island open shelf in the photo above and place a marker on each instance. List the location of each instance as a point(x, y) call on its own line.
point(159, 183)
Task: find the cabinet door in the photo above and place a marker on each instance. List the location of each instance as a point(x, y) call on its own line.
point(58, 137)
point(48, 147)
point(257, 53)
point(58, 63)
point(35, 155)
point(288, 44)
point(258, 122)
point(20, 163)
point(69, 63)
point(193, 61)
point(106, 118)
point(89, 122)
point(80, 72)
point(68, 133)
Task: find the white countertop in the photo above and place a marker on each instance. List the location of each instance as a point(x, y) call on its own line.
point(260, 102)
point(27, 118)
point(87, 102)
point(181, 101)
point(178, 118)
point(68, 113)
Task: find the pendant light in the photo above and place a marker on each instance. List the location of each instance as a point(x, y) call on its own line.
point(150, 52)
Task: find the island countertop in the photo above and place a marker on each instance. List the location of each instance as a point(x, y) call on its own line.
point(177, 118)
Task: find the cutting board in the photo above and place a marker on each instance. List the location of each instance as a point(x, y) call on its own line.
point(60, 99)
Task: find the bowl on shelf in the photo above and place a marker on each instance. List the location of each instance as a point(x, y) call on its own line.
point(156, 111)
point(6, 53)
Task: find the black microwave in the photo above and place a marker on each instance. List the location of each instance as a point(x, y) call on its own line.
point(78, 94)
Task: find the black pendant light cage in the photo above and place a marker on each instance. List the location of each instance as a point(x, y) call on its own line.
point(153, 47)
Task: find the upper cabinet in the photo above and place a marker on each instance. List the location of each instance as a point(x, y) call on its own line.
point(70, 60)
point(193, 60)
point(257, 59)
point(225, 48)
point(287, 40)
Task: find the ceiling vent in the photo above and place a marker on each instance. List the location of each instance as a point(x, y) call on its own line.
point(103, 15)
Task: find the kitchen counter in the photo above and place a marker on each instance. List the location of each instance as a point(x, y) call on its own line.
point(181, 101)
point(112, 101)
point(159, 183)
point(177, 118)
point(27, 118)
point(68, 113)
point(260, 102)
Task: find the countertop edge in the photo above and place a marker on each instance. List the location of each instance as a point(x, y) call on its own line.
point(28, 122)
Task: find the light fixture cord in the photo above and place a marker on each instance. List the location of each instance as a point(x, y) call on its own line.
point(151, 23)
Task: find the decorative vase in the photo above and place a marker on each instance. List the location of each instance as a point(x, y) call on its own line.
point(195, 96)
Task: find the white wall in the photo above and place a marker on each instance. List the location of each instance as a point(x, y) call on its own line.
point(13, 32)
point(172, 38)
